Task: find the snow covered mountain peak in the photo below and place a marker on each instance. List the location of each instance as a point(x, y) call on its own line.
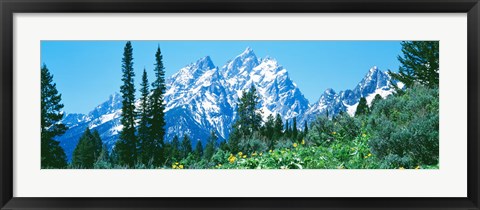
point(191, 72)
point(373, 80)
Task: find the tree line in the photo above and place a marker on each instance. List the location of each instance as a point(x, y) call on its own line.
point(141, 141)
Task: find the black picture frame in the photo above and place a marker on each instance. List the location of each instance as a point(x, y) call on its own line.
point(10, 7)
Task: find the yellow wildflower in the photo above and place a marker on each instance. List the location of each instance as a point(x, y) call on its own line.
point(244, 156)
point(254, 154)
point(295, 145)
point(364, 135)
point(401, 168)
point(261, 153)
point(334, 132)
point(270, 151)
point(303, 141)
point(176, 163)
point(180, 166)
point(369, 154)
point(232, 159)
point(240, 153)
point(174, 166)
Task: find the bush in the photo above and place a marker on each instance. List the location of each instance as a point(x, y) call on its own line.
point(322, 131)
point(405, 128)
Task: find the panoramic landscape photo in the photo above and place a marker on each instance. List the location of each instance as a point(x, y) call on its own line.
point(239, 104)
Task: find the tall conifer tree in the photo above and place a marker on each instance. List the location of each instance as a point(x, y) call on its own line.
point(52, 155)
point(420, 64)
point(146, 144)
point(126, 146)
point(157, 125)
point(362, 107)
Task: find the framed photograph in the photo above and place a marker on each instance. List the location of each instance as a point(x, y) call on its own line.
point(239, 105)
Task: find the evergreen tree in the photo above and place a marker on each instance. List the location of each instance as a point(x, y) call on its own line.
point(249, 118)
point(362, 107)
point(375, 100)
point(210, 147)
point(175, 149)
point(198, 150)
point(186, 147)
point(157, 128)
point(287, 129)
point(126, 146)
point(52, 155)
point(145, 143)
point(85, 153)
point(98, 144)
point(268, 128)
point(419, 64)
point(278, 129)
point(294, 129)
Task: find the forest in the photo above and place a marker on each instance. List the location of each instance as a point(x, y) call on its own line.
point(400, 131)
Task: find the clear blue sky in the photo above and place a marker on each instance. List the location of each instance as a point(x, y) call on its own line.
point(87, 72)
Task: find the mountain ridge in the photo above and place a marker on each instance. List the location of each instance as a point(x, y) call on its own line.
point(202, 97)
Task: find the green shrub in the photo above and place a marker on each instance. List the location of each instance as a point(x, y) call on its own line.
point(405, 128)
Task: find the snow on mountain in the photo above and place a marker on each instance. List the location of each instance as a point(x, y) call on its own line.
point(278, 93)
point(105, 118)
point(197, 102)
point(202, 97)
point(373, 83)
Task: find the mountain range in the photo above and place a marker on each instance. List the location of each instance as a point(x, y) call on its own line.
point(202, 97)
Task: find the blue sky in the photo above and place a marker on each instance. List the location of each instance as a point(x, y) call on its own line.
point(87, 72)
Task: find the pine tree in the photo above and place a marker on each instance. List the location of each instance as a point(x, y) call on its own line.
point(175, 149)
point(287, 129)
point(305, 128)
point(52, 155)
point(362, 107)
point(375, 100)
point(126, 146)
point(186, 147)
point(84, 155)
point(294, 129)
point(198, 150)
point(98, 144)
point(157, 115)
point(419, 64)
point(249, 118)
point(145, 142)
point(269, 130)
point(210, 147)
point(278, 129)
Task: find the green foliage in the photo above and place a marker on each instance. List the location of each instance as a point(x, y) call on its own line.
point(157, 114)
point(126, 146)
point(186, 146)
point(198, 153)
point(362, 108)
point(145, 143)
point(249, 119)
point(88, 150)
point(210, 147)
point(175, 154)
point(254, 143)
point(52, 155)
point(405, 128)
point(322, 131)
point(420, 64)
